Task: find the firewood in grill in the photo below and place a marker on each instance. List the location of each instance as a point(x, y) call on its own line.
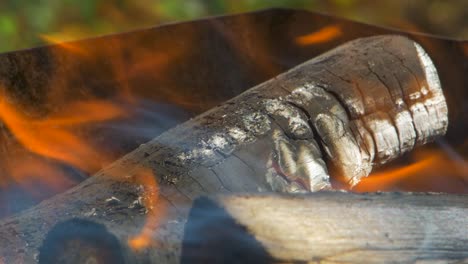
point(365, 102)
point(328, 227)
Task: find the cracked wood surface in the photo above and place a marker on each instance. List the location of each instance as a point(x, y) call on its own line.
point(329, 114)
point(328, 227)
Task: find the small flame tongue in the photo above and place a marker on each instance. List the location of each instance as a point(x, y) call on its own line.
point(154, 209)
point(324, 34)
point(430, 170)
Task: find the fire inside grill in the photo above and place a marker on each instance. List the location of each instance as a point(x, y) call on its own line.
point(274, 102)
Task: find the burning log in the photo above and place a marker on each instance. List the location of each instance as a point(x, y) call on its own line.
point(364, 103)
point(328, 227)
point(280, 133)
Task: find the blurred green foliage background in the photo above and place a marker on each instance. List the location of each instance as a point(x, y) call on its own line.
point(27, 23)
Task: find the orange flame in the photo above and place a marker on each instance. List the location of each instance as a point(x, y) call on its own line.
point(154, 209)
point(55, 136)
point(45, 145)
point(431, 171)
point(322, 35)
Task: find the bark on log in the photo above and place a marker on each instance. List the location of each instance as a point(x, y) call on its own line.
point(365, 102)
point(328, 227)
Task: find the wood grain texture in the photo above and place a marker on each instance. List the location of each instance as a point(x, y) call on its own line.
point(328, 227)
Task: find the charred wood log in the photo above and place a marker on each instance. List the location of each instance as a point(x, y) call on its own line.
point(363, 103)
point(328, 227)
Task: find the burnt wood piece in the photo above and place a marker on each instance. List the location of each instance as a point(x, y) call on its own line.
point(273, 136)
point(328, 227)
point(363, 103)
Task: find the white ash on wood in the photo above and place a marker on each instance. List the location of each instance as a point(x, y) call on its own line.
point(361, 104)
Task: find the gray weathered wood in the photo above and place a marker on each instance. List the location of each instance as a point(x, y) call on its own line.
point(328, 227)
point(336, 109)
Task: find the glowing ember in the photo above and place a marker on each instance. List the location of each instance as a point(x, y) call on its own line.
point(323, 35)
